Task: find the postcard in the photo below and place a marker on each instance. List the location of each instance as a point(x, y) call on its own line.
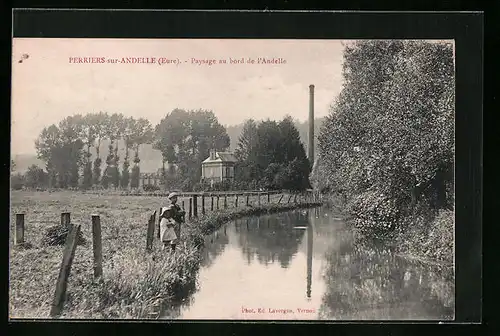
point(232, 179)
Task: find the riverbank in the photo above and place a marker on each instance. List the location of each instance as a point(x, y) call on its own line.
point(425, 235)
point(134, 283)
point(140, 283)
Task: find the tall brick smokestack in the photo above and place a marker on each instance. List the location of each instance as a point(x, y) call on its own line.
point(311, 125)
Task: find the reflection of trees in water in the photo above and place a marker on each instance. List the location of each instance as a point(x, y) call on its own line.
point(373, 283)
point(215, 244)
point(271, 238)
point(173, 308)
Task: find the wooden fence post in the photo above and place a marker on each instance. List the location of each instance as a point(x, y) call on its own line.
point(65, 219)
point(289, 198)
point(97, 245)
point(212, 204)
point(195, 205)
point(295, 199)
point(202, 204)
point(190, 207)
point(281, 198)
point(236, 201)
point(247, 203)
point(150, 232)
point(217, 206)
point(19, 231)
point(158, 224)
point(225, 201)
point(258, 198)
point(268, 197)
point(62, 279)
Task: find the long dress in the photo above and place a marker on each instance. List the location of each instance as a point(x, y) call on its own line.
point(167, 228)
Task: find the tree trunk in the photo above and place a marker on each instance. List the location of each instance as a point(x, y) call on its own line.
point(98, 148)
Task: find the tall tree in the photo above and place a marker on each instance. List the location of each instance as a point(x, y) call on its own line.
point(247, 141)
point(88, 137)
point(272, 155)
point(52, 149)
point(185, 139)
point(142, 133)
point(291, 147)
point(127, 139)
point(97, 123)
point(389, 138)
point(112, 128)
point(71, 133)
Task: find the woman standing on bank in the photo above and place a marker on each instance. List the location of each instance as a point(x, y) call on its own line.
point(171, 218)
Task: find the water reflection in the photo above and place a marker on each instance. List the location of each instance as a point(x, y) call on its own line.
point(369, 282)
point(215, 244)
point(266, 262)
point(270, 238)
point(310, 235)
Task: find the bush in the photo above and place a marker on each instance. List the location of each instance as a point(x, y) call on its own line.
point(151, 187)
point(56, 235)
point(430, 235)
point(17, 181)
point(374, 214)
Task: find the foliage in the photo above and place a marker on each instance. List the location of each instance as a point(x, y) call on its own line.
point(66, 148)
point(87, 175)
point(388, 143)
point(185, 139)
point(430, 237)
point(133, 281)
point(272, 156)
point(35, 177)
point(150, 187)
point(56, 235)
point(134, 177)
point(247, 141)
point(17, 181)
point(125, 177)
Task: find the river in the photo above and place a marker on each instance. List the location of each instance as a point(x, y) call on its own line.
point(306, 265)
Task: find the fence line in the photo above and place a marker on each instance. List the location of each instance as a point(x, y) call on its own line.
point(74, 232)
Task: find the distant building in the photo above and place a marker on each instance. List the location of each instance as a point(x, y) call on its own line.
point(154, 178)
point(149, 179)
point(218, 167)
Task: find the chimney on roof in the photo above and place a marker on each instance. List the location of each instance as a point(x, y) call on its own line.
point(212, 154)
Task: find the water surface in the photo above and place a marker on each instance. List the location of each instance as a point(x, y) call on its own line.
point(306, 265)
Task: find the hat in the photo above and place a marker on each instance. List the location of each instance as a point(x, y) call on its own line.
point(163, 209)
point(172, 195)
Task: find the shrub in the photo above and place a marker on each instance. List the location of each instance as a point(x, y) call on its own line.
point(56, 235)
point(373, 214)
point(151, 187)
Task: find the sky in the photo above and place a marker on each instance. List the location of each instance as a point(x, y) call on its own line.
point(47, 86)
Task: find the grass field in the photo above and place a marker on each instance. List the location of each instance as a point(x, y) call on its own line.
point(134, 283)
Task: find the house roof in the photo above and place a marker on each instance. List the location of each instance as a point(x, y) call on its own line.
point(222, 157)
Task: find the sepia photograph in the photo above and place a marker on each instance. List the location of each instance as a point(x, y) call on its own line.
point(232, 179)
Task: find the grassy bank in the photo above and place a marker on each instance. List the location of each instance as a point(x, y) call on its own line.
point(429, 239)
point(134, 283)
point(424, 235)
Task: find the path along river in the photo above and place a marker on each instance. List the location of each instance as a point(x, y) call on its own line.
point(306, 265)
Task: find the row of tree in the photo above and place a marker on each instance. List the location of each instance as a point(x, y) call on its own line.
point(388, 143)
point(270, 153)
point(185, 139)
point(66, 150)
